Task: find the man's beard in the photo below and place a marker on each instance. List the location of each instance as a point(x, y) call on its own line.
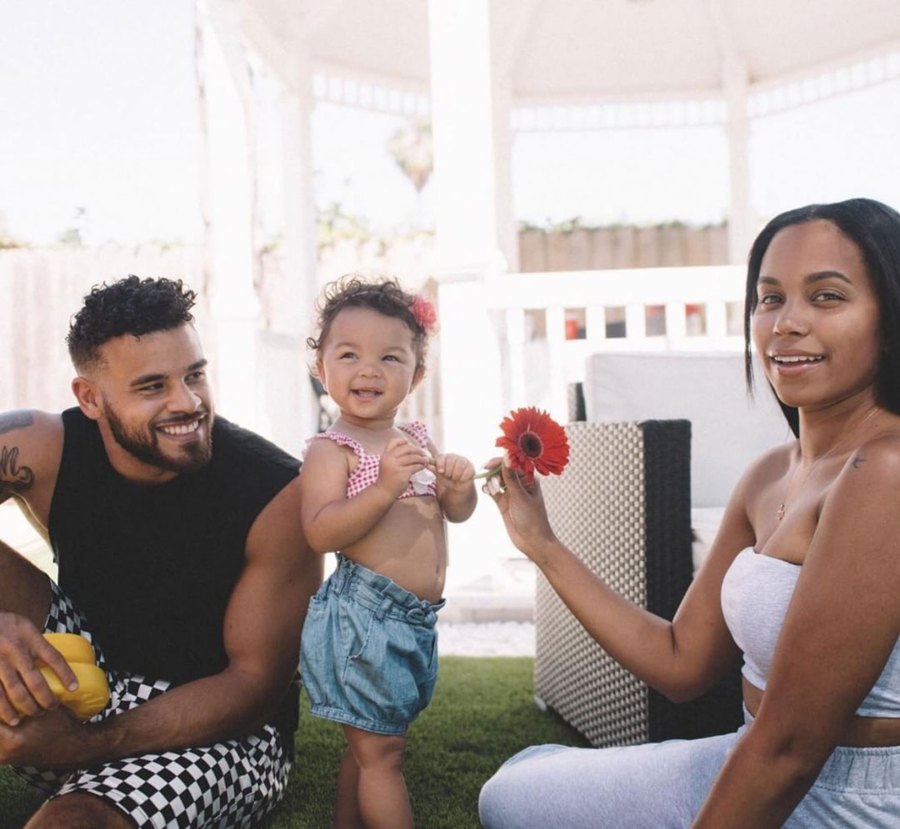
point(145, 446)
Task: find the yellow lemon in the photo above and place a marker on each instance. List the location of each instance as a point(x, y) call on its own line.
point(92, 693)
point(73, 647)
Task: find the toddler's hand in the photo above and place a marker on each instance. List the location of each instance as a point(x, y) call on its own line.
point(399, 462)
point(454, 471)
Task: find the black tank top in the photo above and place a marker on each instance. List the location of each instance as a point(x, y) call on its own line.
point(152, 567)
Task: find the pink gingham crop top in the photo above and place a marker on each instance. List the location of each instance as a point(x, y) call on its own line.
point(756, 592)
point(365, 474)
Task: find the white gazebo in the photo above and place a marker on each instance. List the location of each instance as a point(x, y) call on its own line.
point(481, 69)
point(475, 64)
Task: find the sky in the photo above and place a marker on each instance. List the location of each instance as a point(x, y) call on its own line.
point(98, 112)
point(99, 131)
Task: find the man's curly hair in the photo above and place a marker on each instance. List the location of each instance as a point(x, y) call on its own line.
point(129, 306)
point(383, 295)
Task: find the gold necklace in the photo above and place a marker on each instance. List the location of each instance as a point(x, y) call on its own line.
point(790, 489)
point(812, 468)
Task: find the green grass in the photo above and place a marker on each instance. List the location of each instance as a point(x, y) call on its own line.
point(482, 713)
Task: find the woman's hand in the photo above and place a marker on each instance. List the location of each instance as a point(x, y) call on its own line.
point(522, 508)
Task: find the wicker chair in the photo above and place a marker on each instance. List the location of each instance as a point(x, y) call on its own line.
point(623, 505)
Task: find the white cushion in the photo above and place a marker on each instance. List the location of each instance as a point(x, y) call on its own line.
point(705, 524)
point(728, 429)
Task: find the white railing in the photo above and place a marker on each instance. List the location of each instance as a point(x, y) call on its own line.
point(506, 341)
point(521, 339)
point(527, 335)
point(571, 315)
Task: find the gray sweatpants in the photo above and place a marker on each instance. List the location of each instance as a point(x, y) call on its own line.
point(660, 785)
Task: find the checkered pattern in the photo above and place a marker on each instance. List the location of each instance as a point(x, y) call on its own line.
point(229, 784)
point(232, 784)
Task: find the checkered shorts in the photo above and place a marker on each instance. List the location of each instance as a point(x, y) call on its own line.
point(230, 784)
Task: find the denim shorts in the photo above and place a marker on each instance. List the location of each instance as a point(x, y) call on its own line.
point(369, 652)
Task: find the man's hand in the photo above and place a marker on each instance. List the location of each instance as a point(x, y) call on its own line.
point(55, 739)
point(23, 689)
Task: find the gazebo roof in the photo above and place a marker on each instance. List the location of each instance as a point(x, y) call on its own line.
point(568, 51)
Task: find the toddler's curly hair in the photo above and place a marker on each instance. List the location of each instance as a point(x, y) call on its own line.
point(384, 295)
point(129, 306)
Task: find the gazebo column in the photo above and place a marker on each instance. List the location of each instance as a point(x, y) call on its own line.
point(734, 88)
point(462, 123)
point(230, 201)
point(507, 231)
point(467, 253)
point(288, 395)
point(506, 49)
point(740, 228)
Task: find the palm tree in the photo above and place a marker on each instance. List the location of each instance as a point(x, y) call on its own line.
point(412, 149)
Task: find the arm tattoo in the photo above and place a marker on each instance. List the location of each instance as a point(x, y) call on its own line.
point(13, 478)
point(858, 461)
point(15, 420)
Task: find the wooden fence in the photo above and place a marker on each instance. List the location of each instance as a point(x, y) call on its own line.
point(41, 289)
point(624, 246)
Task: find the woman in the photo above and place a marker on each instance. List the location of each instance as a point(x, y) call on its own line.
point(803, 577)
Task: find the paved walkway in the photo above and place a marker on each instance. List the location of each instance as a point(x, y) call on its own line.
point(492, 616)
point(486, 638)
point(505, 595)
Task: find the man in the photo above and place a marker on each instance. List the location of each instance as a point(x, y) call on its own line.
point(180, 556)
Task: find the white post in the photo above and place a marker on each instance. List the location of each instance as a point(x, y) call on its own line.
point(506, 49)
point(636, 321)
point(507, 231)
point(467, 253)
point(557, 381)
point(739, 229)
point(289, 397)
point(595, 320)
point(296, 107)
point(734, 87)
point(233, 302)
point(462, 124)
point(515, 359)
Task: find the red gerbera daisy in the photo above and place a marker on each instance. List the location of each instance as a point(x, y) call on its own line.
point(534, 441)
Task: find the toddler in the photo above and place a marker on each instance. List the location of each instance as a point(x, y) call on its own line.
point(377, 494)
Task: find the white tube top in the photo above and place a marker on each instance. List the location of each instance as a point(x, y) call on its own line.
point(756, 592)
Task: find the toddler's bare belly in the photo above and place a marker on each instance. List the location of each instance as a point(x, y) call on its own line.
point(409, 546)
